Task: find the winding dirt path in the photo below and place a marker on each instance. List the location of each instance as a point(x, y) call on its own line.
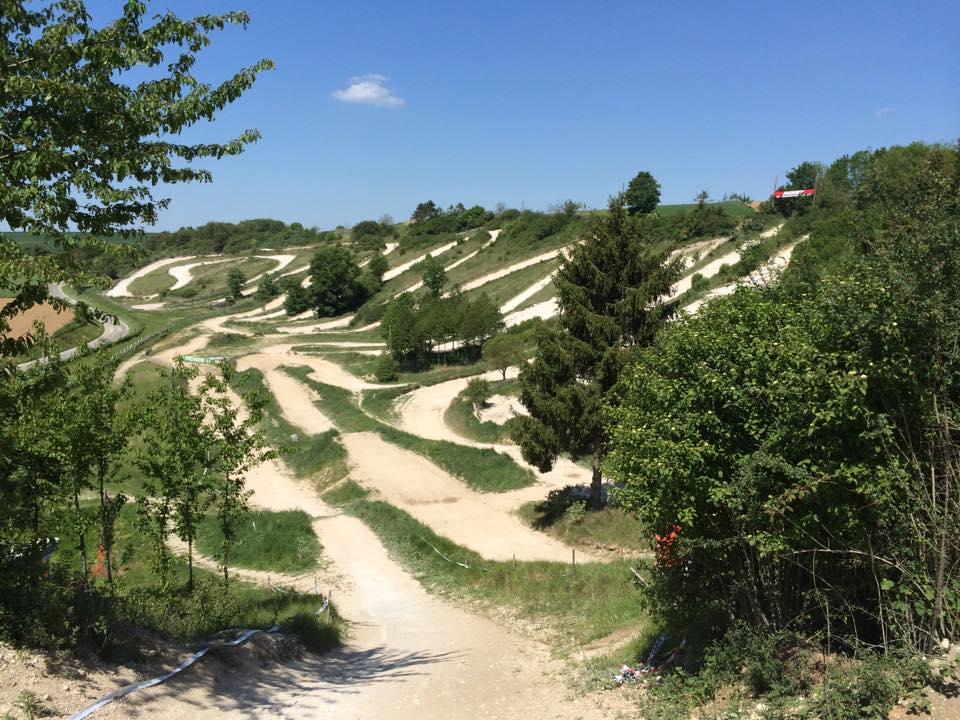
point(183, 274)
point(400, 269)
point(122, 288)
point(409, 654)
point(421, 412)
point(494, 234)
point(510, 269)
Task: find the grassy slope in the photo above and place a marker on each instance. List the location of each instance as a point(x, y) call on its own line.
point(731, 207)
point(277, 541)
point(211, 609)
point(509, 286)
point(482, 469)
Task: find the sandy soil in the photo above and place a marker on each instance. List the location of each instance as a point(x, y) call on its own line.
point(761, 277)
point(281, 260)
point(414, 484)
point(520, 298)
point(324, 371)
point(316, 327)
point(421, 413)
point(503, 272)
point(183, 274)
point(500, 408)
point(400, 269)
point(701, 248)
point(544, 310)
point(409, 653)
point(148, 306)
point(122, 288)
point(22, 323)
point(707, 271)
point(770, 232)
point(297, 402)
point(494, 234)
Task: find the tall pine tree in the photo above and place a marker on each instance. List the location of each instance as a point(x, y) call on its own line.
point(610, 295)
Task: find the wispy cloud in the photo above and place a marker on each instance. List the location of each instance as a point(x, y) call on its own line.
point(880, 112)
point(369, 90)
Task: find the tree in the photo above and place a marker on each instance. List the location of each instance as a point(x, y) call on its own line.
point(643, 194)
point(82, 143)
point(425, 211)
point(267, 288)
point(298, 300)
point(235, 282)
point(610, 295)
point(386, 220)
point(335, 285)
point(103, 427)
point(175, 457)
point(400, 329)
point(479, 319)
point(434, 276)
point(238, 446)
point(378, 266)
point(504, 351)
point(477, 393)
point(701, 199)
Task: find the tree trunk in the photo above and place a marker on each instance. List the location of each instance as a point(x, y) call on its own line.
point(105, 535)
point(190, 563)
point(596, 482)
point(82, 536)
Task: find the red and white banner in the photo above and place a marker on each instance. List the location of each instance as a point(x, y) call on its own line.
point(794, 193)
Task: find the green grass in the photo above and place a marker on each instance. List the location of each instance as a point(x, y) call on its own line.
point(513, 245)
point(380, 403)
point(265, 540)
point(511, 285)
point(573, 606)
point(730, 207)
point(483, 469)
point(210, 281)
point(545, 293)
point(461, 418)
point(210, 608)
point(344, 493)
point(609, 529)
point(230, 340)
point(322, 457)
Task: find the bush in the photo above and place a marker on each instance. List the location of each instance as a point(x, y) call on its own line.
point(387, 369)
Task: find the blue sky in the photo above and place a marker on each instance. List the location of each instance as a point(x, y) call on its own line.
point(533, 102)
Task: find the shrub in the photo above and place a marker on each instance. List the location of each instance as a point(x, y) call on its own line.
point(387, 369)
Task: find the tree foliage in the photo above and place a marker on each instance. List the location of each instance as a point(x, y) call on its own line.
point(83, 142)
point(805, 439)
point(335, 282)
point(235, 282)
point(434, 276)
point(609, 295)
point(643, 194)
point(505, 351)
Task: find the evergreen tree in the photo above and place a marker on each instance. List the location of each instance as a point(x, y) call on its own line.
point(235, 282)
point(643, 194)
point(610, 295)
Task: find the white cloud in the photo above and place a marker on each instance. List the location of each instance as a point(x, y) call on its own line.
point(880, 112)
point(369, 90)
